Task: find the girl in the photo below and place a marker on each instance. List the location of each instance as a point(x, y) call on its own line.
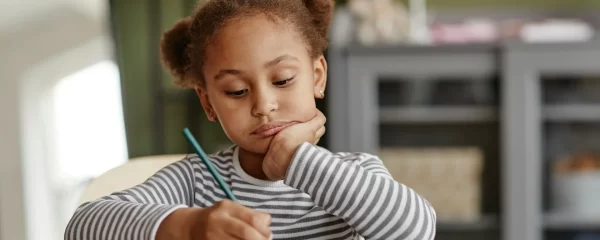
point(257, 66)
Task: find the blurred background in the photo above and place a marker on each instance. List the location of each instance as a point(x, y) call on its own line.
point(489, 108)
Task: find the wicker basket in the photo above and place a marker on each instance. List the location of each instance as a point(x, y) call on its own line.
point(449, 178)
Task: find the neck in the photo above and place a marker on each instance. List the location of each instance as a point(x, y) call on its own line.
point(252, 164)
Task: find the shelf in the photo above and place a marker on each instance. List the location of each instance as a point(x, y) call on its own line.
point(399, 49)
point(509, 129)
point(488, 222)
point(554, 113)
point(572, 112)
point(436, 114)
point(569, 222)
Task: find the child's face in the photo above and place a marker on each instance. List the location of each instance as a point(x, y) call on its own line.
point(259, 75)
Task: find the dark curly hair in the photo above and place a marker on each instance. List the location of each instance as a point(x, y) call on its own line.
point(183, 47)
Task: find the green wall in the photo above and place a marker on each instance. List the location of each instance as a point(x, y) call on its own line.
point(155, 110)
point(560, 4)
point(453, 4)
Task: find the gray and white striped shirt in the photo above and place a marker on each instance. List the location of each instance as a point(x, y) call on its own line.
point(323, 196)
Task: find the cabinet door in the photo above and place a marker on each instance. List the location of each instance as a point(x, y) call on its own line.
point(436, 98)
point(552, 119)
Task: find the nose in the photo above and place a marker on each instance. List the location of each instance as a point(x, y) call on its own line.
point(264, 102)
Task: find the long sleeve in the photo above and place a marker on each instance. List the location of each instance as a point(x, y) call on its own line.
point(135, 213)
point(359, 189)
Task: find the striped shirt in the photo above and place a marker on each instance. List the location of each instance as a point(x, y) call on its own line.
point(324, 195)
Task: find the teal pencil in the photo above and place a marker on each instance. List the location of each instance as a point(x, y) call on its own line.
point(188, 135)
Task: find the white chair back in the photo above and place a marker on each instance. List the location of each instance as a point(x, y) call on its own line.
point(130, 174)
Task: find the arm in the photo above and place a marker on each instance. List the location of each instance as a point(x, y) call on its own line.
point(361, 192)
point(135, 213)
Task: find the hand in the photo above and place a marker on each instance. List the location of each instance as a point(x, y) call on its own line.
point(224, 220)
point(284, 145)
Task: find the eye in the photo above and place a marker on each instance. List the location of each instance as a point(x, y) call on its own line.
point(237, 93)
point(283, 82)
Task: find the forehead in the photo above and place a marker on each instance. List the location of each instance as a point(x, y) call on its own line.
point(254, 40)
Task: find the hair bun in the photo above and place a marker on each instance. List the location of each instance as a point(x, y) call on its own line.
point(321, 11)
point(173, 48)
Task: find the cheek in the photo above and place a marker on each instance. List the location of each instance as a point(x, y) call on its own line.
point(299, 105)
point(234, 125)
point(229, 113)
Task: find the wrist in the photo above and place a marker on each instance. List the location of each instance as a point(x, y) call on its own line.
point(297, 155)
point(178, 225)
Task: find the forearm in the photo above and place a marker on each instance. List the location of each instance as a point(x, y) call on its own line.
point(135, 213)
point(115, 220)
point(375, 205)
point(177, 225)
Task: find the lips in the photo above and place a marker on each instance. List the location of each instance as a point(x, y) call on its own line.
point(270, 129)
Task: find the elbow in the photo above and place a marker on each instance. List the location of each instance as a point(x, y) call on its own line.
point(422, 227)
point(427, 223)
point(68, 234)
point(433, 221)
point(72, 228)
point(430, 223)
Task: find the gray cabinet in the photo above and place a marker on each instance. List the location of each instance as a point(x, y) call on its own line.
point(489, 96)
point(355, 75)
point(530, 116)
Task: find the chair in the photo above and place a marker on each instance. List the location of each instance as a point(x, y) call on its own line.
point(128, 175)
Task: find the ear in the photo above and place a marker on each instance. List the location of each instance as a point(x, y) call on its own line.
point(203, 96)
point(320, 71)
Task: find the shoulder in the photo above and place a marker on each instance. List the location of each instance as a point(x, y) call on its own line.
point(367, 161)
point(358, 157)
point(220, 159)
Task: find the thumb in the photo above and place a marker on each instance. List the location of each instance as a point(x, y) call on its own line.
point(318, 121)
point(269, 166)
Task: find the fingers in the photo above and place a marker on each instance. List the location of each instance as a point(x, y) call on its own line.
point(319, 126)
point(319, 134)
point(231, 220)
point(239, 229)
point(258, 220)
point(318, 121)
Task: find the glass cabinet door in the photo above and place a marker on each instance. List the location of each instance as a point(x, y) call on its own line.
point(571, 164)
point(448, 125)
point(553, 139)
point(431, 114)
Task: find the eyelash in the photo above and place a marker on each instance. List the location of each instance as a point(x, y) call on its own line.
point(240, 93)
point(283, 82)
point(237, 93)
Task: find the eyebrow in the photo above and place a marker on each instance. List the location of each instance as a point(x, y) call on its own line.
point(279, 59)
point(267, 65)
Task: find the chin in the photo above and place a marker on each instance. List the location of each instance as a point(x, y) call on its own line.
point(257, 146)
